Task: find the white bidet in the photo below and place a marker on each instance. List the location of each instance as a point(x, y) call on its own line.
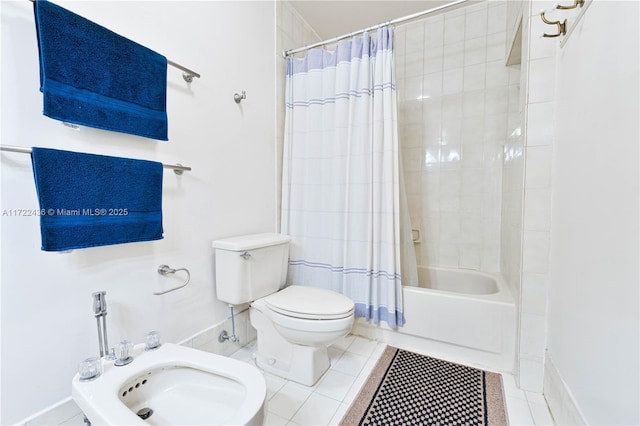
point(174, 385)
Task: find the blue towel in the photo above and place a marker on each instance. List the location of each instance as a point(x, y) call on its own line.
point(92, 76)
point(91, 200)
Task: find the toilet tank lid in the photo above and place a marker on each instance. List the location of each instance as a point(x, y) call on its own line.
point(251, 242)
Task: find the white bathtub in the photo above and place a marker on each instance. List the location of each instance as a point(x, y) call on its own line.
point(459, 315)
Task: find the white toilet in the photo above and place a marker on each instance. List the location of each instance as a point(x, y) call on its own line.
point(295, 324)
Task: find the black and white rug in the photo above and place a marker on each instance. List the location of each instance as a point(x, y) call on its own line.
point(407, 388)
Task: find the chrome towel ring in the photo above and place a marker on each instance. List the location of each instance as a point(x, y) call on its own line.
point(165, 270)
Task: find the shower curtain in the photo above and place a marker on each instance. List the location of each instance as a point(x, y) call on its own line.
point(341, 185)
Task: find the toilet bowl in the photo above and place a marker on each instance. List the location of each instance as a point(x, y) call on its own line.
point(292, 343)
point(296, 324)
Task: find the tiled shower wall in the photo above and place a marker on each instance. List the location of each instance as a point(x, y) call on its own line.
point(292, 31)
point(527, 208)
point(454, 97)
point(538, 76)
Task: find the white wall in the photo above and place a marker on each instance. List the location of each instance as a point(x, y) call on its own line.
point(593, 314)
point(46, 320)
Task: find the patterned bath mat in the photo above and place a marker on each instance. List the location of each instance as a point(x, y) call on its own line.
point(406, 388)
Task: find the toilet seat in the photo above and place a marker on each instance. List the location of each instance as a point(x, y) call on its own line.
point(310, 303)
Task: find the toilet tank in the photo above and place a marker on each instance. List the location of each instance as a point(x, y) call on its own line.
point(249, 267)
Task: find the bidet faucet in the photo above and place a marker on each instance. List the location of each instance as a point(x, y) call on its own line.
point(100, 313)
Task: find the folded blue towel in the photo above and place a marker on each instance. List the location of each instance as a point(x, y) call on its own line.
point(92, 76)
point(91, 200)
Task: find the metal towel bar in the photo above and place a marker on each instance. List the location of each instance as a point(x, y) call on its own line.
point(177, 168)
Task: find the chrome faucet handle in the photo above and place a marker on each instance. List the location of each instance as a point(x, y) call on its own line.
point(89, 369)
point(152, 341)
point(123, 352)
point(111, 356)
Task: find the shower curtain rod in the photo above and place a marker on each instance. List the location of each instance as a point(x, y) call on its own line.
point(290, 52)
point(177, 168)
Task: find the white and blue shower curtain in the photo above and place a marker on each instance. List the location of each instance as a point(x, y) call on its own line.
point(341, 185)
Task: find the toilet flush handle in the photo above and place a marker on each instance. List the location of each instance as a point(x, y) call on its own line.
point(246, 255)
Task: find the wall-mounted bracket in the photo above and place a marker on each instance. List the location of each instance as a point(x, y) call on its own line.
point(576, 3)
point(562, 26)
point(238, 98)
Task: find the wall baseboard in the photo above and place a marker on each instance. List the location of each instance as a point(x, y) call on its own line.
point(562, 404)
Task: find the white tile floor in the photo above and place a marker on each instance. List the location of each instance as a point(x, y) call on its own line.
point(352, 359)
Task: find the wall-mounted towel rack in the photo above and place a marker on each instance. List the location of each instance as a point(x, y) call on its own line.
point(187, 74)
point(563, 27)
point(177, 168)
point(166, 269)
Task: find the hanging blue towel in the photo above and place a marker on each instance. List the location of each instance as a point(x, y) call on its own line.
point(91, 200)
point(92, 76)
